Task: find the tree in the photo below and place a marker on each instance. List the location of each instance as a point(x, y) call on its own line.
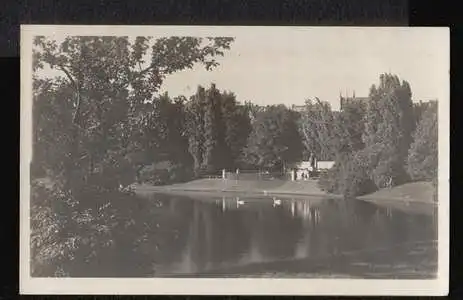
point(218, 127)
point(419, 108)
point(252, 110)
point(237, 124)
point(195, 127)
point(423, 153)
point(275, 139)
point(348, 175)
point(214, 132)
point(372, 141)
point(317, 125)
point(109, 80)
point(50, 136)
point(89, 122)
point(388, 129)
point(164, 139)
point(349, 125)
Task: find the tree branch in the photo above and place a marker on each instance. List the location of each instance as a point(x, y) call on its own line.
point(76, 86)
point(68, 75)
point(137, 75)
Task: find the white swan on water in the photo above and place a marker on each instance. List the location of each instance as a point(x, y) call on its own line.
point(239, 202)
point(276, 201)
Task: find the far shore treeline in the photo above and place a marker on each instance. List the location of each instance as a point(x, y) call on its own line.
point(103, 124)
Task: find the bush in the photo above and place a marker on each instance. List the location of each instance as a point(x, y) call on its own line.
point(329, 181)
point(356, 181)
point(348, 177)
point(51, 243)
point(66, 235)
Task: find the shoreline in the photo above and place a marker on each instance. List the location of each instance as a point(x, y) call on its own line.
point(250, 188)
point(257, 194)
point(420, 192)
point(409, 193)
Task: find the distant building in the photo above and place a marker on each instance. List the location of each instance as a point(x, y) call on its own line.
point(304, 169)
point(298, 108)
point(325, 165)
point(343, 101)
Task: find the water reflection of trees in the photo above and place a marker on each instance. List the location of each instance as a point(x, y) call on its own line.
point(163, 234)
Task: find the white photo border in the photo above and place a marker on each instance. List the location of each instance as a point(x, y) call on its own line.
point(158, 286)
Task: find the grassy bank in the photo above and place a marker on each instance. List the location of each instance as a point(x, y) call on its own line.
point(415, 197)
point(416, 192)
point(246, 187)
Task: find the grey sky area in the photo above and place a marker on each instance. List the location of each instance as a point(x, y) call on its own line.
point(288, 66)
point(285, 69)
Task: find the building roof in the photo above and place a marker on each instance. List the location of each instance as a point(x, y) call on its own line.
point(344, 100)
point(320, 164)
point(298, 108)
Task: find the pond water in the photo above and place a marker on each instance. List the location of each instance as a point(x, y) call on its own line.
point(226, 236)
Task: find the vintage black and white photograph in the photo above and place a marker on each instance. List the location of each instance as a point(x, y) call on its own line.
point(308, 160)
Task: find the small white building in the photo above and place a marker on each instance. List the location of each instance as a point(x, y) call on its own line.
point(304, 169)
point(325, 165)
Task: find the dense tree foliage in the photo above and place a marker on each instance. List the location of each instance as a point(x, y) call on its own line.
point(163, 142)
point(275, 139)
point(217, 128)
point(349, 125)
point(423, 155)
point(97, 121)
point(388, 130)
point(317, 128)
point(420, 107)
point(372, 141)
point(108, 82)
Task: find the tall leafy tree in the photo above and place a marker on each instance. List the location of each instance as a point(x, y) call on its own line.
point(238, 127)
point(423, 153)
point(388, 129)
point(316, 123)
point(214, 131)
point(164, 132)
point(275, 139)
point(108, 80)
point(217, 127)
point(195, 127)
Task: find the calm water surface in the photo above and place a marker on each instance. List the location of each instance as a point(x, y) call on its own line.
point(166, 236)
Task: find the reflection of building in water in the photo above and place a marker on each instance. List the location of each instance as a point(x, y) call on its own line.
point(389, 212)
point(305, 210)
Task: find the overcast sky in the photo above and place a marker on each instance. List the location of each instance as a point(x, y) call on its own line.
point(269, 65)
point(289, 68)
